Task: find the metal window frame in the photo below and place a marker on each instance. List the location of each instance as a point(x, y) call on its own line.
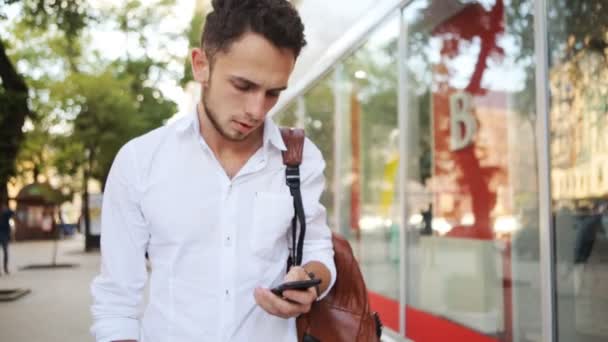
point(338, 140)
point(547, 247)
point(403, 122)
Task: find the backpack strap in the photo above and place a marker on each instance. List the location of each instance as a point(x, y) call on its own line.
point(294, 141)
point(292, 158)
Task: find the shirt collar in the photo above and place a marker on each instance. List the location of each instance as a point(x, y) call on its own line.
point(187, 121)
point(272, 134)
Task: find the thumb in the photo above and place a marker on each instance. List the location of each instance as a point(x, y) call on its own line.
point(295, 273)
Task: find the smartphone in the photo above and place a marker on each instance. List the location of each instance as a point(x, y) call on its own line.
point(295, 285)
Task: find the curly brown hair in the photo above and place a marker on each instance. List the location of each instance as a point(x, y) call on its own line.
point(276, 20)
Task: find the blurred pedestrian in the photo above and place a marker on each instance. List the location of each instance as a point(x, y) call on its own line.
point(5, 232)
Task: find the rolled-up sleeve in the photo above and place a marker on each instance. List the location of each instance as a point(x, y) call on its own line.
point(317, 243)
point(119, 288)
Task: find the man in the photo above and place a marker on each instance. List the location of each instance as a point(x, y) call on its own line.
point(206, 198)
point(5, 232)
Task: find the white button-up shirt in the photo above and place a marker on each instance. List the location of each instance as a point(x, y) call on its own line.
point(211, 240)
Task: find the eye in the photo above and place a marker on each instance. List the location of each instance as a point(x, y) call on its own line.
point(273, 94)
point(242, 86)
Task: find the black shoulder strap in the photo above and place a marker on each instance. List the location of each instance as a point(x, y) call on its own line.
point(292, 158)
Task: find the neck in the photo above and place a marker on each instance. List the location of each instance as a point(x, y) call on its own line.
point(221, 145)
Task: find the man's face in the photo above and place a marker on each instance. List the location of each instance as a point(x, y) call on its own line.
point(242, 84)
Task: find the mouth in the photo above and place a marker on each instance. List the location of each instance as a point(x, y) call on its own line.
point(242, 127)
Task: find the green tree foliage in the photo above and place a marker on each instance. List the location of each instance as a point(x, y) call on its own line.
point(106, 117)
point(377, 95)
point(319, 125)
point(34, 154)
point(67, 17)
point(68, 108)
point(287, 117)
point(194, 40)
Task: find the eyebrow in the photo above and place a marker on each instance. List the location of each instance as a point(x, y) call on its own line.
point(253, 84)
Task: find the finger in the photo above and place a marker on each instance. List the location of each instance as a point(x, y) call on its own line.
point(277, 306)
point(267, 301)
point(288, 308)
point(263, 302)
point(296, 273)
point(305, 297)
point(282, 305)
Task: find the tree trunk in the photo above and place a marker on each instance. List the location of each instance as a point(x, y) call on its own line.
point(87, 167)
point(3, 194)
point(85, 208)
point(13, 111)
point(36, 172)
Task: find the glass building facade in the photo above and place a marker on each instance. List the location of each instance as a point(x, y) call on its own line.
point(466, 163)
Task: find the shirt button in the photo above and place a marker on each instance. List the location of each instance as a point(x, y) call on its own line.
point(228, 241)
point(228, 190)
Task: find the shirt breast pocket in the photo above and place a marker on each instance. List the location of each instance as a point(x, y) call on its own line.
point(272, 214)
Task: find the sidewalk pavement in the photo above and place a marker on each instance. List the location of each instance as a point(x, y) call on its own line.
point(57, 309)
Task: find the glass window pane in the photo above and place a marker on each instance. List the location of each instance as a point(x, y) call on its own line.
point(318, 106)
point(288, 117)
point(362, 93)
point(473, 254)
point(578, 72)
point(366, 92)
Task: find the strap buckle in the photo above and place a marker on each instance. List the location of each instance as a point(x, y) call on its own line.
point(292, 177)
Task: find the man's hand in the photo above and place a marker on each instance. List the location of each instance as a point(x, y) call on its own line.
point(293, 303)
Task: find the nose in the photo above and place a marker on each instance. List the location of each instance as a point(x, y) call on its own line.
point(257, 105)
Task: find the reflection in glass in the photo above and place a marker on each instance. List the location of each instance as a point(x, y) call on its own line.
point(471, 187)
point(578, 38)
point(288, 117)
point(366, 87)
point(318, 107)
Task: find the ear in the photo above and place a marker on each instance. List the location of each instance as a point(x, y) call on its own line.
point(200, 66)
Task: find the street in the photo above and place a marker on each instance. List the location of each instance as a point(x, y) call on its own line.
point(57, 309)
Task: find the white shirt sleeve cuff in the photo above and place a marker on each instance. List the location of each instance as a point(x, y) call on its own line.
point(116, 329)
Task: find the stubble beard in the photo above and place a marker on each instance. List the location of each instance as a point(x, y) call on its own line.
point(213, 118)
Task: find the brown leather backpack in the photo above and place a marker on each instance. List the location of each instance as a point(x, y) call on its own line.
point(344, 314)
